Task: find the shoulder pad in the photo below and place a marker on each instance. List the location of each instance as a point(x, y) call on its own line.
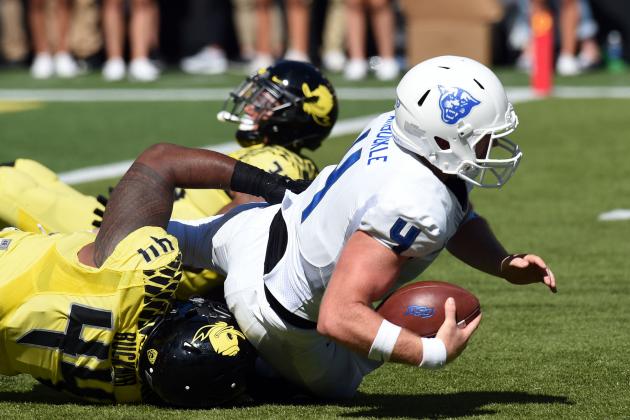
point(146, 248)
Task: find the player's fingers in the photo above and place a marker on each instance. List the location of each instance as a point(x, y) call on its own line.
point(535, 259)
point(472, 326)
point(449, 310)
point(519, 262)
point(550, 280)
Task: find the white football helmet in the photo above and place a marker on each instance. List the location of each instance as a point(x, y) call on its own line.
point(453, 111)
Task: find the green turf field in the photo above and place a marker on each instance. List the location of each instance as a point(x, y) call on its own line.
point(536, 355)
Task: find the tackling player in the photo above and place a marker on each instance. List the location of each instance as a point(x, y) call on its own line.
point(76, 309)
point(280, 111)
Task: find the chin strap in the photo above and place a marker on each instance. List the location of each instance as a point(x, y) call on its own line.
point(248, 138)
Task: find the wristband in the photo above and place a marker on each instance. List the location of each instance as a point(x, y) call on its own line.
point(251, 180)
point(384, 342)
point(433, 353)
point(247, 179)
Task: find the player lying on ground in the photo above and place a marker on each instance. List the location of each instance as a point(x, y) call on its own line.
point(302, 276)
point(280, 110)
point(76, 308)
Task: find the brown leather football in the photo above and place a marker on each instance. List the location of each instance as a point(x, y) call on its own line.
point(419, 306)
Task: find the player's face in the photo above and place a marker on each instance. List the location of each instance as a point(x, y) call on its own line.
point(261, 108)
point(481, 148)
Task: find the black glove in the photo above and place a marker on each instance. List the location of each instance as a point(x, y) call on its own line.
point(254, 181)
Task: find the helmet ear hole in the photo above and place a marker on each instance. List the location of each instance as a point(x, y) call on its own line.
point(421, 101)
point(442, 144)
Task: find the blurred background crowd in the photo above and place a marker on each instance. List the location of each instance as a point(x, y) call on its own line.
point(137, 39)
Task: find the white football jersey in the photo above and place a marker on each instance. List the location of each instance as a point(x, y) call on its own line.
point(377, 188)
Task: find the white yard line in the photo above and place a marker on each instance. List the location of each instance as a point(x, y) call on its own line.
point(614, 215)
point(117, 169)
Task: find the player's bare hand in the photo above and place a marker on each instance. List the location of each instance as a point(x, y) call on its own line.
point(455, 337)
point(527, 269)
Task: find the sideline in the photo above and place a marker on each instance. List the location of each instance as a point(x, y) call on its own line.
point(219, 94)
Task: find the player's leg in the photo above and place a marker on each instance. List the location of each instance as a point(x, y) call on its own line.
point(32, 195)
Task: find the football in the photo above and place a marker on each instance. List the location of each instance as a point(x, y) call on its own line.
point(419, 306)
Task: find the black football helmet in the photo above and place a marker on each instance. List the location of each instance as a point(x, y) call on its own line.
point(196, 356)
point(290, 103)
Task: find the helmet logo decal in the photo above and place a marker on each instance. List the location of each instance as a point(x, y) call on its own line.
point(222, 337)
point(455, 104)
point(320, 108)
point(152, 354)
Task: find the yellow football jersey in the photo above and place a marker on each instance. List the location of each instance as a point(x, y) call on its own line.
point(79, 328)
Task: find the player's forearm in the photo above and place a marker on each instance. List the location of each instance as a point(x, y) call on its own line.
point(475, 244)
point(352, 324)
point(198, 168)
point(356, 326)
point(189, 167)
point(365, 272)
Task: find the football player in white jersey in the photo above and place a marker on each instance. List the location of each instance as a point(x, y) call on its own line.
point(302, 276)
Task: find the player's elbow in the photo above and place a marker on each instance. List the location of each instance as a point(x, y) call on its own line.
point(156, 154)
point(328, 323)
point(159, 158)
